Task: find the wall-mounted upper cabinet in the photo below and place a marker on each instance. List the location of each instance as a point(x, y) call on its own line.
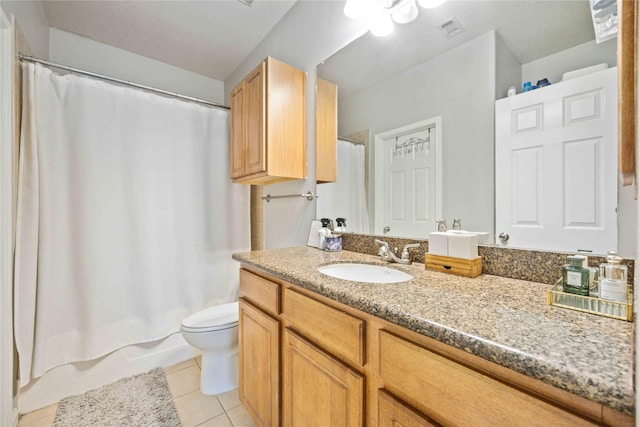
point(326, 131)
point(268, 125)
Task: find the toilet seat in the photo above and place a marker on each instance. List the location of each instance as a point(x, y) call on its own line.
point(220, 317)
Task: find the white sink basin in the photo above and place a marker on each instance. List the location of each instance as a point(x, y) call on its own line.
point(365, 273)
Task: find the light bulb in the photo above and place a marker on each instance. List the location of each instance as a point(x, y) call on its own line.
point(381, 25)
point(355, 9)
point(407, 13)
point(429, 4)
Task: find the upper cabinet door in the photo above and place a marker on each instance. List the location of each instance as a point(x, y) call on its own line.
point(326, 131)
point(255, 112)
point(556, 166)
point(238, 130)
point(268, 125)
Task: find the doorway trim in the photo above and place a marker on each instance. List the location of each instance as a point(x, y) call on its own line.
point(433, 122)
point(8, 410)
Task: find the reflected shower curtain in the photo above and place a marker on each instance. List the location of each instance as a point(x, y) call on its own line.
point(346, 198)
point(126, 218)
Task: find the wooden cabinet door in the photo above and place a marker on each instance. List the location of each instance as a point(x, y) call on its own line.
point(326, 131)
point(394, 413)
point(238, 131)
point(318, 390)
point(255, 115)
point(259, 359)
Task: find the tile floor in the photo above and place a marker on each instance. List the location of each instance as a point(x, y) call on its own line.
point(195, 409)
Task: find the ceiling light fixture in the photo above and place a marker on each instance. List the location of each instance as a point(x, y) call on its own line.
point(383, 13)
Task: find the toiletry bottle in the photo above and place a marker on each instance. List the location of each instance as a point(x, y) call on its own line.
point(342, 225)
point(441, 225)
point(594, 289)
point(613, 279)
point(457, 225)
point(324, 232)
point(575, 278)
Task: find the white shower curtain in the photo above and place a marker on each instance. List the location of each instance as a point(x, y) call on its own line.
point(346, 198)
point(126, 218)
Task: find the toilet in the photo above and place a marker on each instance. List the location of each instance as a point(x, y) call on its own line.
point(214, 331)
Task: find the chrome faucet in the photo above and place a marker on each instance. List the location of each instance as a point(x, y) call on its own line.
point(386, 254)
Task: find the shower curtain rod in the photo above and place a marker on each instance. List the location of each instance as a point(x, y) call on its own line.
point(119, 81)
point(353, 141)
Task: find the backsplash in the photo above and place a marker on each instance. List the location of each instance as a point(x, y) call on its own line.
point(524, 264)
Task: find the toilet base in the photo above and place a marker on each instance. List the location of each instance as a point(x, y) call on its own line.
point(219, 373)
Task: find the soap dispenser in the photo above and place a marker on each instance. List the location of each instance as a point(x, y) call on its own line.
point(613, 278)
point(341, 226)
point(575, 278)
point(324, 232)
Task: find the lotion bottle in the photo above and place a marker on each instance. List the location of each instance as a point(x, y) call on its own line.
point(613, 279)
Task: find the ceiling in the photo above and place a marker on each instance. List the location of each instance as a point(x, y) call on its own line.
point(531, 29)
point(212, 37)
point(208, 37)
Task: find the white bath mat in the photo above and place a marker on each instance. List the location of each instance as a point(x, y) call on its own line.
point(140, 400)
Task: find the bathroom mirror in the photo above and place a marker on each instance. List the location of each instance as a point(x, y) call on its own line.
point(418, 73)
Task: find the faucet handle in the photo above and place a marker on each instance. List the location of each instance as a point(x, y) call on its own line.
point(405, 252)
point(381, 242)
point(411, 246)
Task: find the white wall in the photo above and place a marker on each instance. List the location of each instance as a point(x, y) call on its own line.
point(584, 55)
point(80, 52)
point(309, 33)
point(458, 85)
point(508, 69)
point(32, 21)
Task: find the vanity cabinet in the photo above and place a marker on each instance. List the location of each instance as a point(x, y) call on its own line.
point(259, 348)
point(341, 366)
point(268, 125)
point(326, 131)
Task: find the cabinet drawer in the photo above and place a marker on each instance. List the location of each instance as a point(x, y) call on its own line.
point(393, 413)
point(336, 331)
point(260, 291)
point(453, 394)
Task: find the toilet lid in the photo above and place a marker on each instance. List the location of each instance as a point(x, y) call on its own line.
point(220, 315)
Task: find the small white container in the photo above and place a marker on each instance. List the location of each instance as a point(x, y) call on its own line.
point(439, 243)
point(463, 245)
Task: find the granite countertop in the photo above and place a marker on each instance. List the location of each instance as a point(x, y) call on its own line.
point(506, 321)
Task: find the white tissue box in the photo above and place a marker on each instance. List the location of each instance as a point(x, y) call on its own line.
point(483, 237)
point(439, 243)
point(463, 245)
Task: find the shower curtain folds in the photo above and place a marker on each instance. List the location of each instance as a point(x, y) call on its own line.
point(126, 218)
point(346, 198)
